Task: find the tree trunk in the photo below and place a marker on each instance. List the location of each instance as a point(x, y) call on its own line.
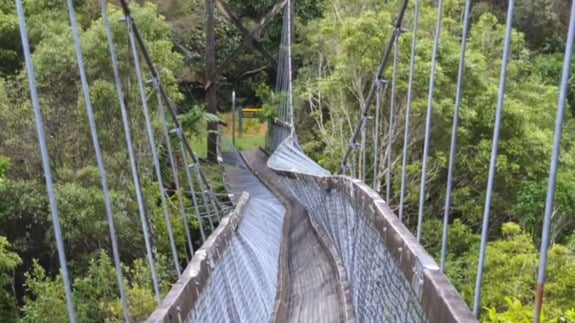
point(211, 97)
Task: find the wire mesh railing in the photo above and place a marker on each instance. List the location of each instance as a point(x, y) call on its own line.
point(197, 201)
point(357, 150)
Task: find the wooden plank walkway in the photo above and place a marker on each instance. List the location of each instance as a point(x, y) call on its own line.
point(309, 286)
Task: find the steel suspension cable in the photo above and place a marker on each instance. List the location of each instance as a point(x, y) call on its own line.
point(376, 127)
point(205, 193)
point(204, 184)
point(290, 71)
point(371, 96)
point(152, 142)
point(453, 149)
point(192, 190)
point(391, 118)
point(45, 160)
point(283, 79)
point(408, 111)
point(549, 202)
point(99, 160)
point(379, 98)
point(493, 162)
point(131, 154)
point(195, 165)
point(173, 166)
point(428, 118)
point(363, 153)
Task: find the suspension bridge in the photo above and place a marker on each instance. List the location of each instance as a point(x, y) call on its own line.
point(292, 242)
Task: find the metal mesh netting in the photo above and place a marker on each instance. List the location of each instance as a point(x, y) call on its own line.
point(277, 132)
point(289, 157)
point(242, 287)
point(238, 177)
point(379, 290)
point(281, 126)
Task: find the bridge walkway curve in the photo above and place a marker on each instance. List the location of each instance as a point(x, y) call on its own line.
point(312, 282)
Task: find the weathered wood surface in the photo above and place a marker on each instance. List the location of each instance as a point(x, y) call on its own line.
point(310, 287)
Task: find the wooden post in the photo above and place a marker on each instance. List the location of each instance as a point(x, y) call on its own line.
point(211, 96)
point(234, 118)
point(241, 117)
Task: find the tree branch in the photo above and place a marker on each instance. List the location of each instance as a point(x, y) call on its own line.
point(249, 37)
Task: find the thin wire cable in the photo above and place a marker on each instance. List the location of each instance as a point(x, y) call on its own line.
point(363, 151)
point(284, 75)
point(391, 118)
point(371, 96)
point(131, 155)
point(290, 71)
point(45, 161)
point(493, 162)
point(171, 109)
point(428, 118)
point(195, 166)
point(205, 197)
point(408, 112)
point(354, 162)
point(173, 166)
point(193, 192)
point(376, 135)
point(99, 160)
point(453, 149)
point(152, 142)
point(381, 97)
point(549, 203)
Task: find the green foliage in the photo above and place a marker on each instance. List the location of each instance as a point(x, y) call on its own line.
point(24, 220)
point(460, 239)
point(530, 206)
point(96, 293)
point(341, 52)
point(544, 22)
point(270, 101)
point(514, 259)
point(194, 120)
point(9, 261)
point(49, 303)
point(9, 38)
point(4, 163)
point(59, 89)
point(517, 312)
point(24, 213)
point(250, 142)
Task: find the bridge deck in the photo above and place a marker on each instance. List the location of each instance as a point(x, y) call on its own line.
point(310, 287)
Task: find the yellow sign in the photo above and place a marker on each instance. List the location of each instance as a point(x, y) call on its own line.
point(251, 112)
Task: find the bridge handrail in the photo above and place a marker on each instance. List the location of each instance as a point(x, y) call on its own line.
point(438, 297)
point(184, 294)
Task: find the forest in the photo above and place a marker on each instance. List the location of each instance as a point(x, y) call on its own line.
point(337, 47)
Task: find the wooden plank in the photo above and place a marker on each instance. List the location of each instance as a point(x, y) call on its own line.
point(314, 286)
